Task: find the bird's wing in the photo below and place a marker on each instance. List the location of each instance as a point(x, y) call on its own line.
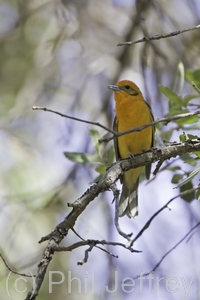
point(115, 128)
point(148, 167)
point(117, 154)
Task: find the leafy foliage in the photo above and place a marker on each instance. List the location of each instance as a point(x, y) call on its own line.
point(179, 104)
point(103, 154)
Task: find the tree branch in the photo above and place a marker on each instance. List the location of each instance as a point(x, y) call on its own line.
point(115, 133)
point(158, 36)
point(14, 272)
point(104, 184)
point(159, 211)
point(161, 120)
point(73, 118)
point(168, 252)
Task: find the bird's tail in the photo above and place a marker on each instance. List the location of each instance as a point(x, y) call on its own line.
point(128, 204)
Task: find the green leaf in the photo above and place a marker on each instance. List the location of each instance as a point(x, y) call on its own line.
point(81, 157)
point(175, 168)
point(111, 155)
point(189, 136)
point(188, 120)
point(183, 121)
point(95, 136)
point(97, 178)
point(100, 169)
point(191, 161)
point(190, 196)
point(190, 177)
point(170, 94)
point(198, 194)
point(188, 98)
point(187, 158)
point(176, 178)
point(182, 138)
point(197, 154)
point(193, 75)
point(175, 101)
point(192, 137)
point(165, 136)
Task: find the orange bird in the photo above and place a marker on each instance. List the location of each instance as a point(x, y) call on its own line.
point(131, 111)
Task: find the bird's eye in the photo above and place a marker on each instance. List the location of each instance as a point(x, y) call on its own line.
point(127, 87)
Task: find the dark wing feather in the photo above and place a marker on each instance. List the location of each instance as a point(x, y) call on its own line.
point(148, 167)
point(117, 154)
point(115, 128)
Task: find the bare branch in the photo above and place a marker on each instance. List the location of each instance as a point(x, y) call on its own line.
point(81, 262)
point(14, 272)
point(158, 36)
point(116, 199)
point(140, 128)
point(193, 233)
point(168, 252)
point(93, 242)
point(159, 164)
point(73, 118)
point(117, 134)
point(161, 209)
point(104, 184)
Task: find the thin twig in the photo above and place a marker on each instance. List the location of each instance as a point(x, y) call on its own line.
point(140, 128)
point(117, 134)
point(192, 235)
point(73, 118)
point(92, 242)
point(167, 165)
point(161, 209)
point(159, 164)
point(96, 242)
point(116, 199)
point(158, 36)
point(14, 272)
point(87, 242)
point(81, 262)
point(167, 253)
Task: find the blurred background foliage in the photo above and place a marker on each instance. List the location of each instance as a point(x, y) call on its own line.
point(63, 55)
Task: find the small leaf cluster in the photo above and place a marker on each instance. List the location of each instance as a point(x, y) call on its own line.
point(179, 104)
point(103, 154)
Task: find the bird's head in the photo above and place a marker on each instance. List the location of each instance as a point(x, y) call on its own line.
point(125, 88)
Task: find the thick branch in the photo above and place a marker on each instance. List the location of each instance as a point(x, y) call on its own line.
point(108, 179)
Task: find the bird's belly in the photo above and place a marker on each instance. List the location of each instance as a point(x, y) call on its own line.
point(135, 142)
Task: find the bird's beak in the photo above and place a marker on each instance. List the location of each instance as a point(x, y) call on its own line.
point(114, 87)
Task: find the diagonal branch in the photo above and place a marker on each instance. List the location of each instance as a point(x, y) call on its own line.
point(161, 209)
point(73, 118)
point(104, 184)
point(169, 251)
